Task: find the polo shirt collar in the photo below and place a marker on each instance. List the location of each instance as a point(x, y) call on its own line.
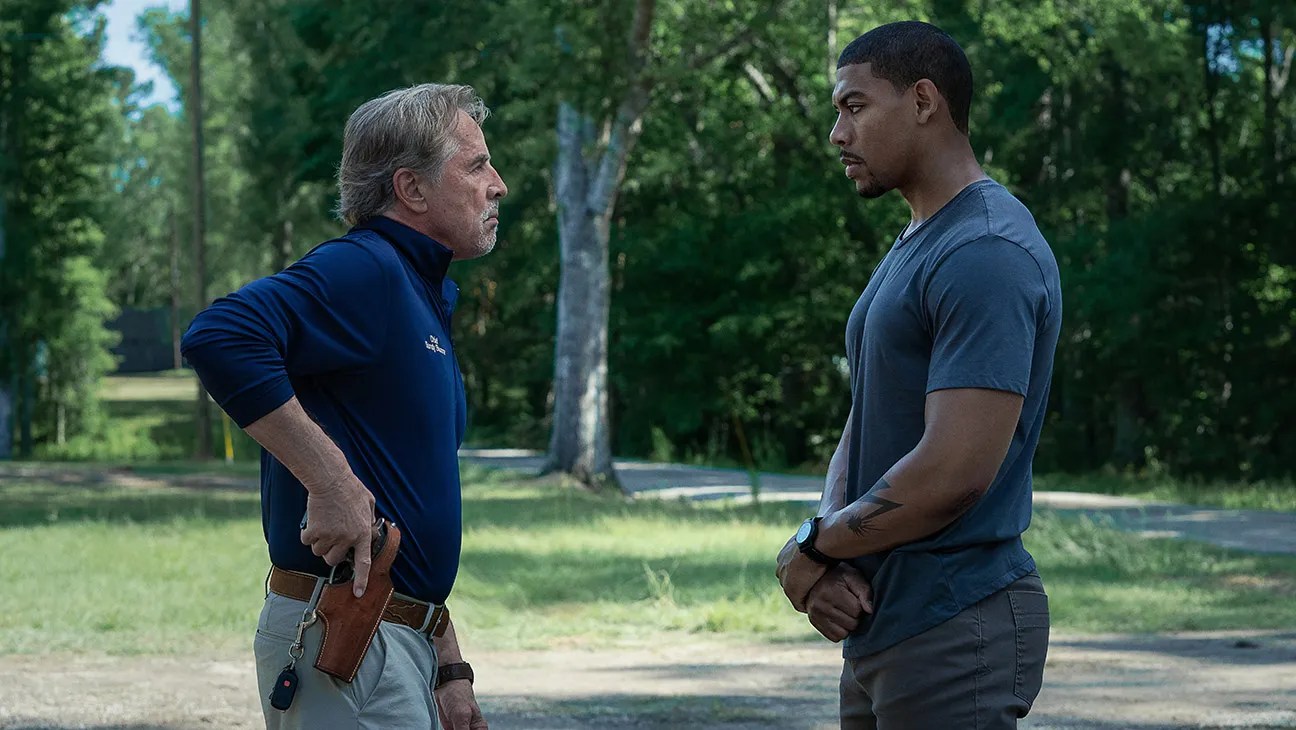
point(428, 256)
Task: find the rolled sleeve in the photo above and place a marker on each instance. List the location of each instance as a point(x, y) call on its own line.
point(314, 317)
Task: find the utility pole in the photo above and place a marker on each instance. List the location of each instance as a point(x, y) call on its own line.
point(6, 391)
point(176, 361)
point(203, 450)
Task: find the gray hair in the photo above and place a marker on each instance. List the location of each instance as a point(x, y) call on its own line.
point(411, 127)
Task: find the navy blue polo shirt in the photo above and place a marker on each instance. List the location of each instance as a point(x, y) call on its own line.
point(971, 299)
point(359, 331)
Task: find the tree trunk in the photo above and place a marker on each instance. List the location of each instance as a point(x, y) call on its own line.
point(833, 50)
point(1127, 441)
point(1116, 169)
point(176, 361)
point(26, 408)
point(1209, 50)
point(580, 443)
point(202, 413)
point(1268, 29)
point(284, 246)
point(6, 419)
point(6, 388)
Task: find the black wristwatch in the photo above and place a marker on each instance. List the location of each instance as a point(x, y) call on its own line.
point(451, 672)
point(805, 540)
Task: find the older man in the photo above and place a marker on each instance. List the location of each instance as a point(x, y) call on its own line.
point(342, 366)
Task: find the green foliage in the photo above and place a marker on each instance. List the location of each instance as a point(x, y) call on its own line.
point(59, 122)
point(149, 419)
point(77, 353)
point(738, 250)
point(1166, 584)
point(1153, 142)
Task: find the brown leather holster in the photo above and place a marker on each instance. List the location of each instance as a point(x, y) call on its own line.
point(349, 622)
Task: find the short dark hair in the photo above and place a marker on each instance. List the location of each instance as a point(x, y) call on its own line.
point(905, 52)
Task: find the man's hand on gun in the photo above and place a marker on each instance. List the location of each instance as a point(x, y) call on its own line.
point(339, 526)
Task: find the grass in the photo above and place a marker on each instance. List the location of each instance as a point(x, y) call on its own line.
point(1271, 495)
point(94, 568)
point(91, 567)
point(171, 385)
point(151, 419)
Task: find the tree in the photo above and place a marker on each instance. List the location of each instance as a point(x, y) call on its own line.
point(587, 177)
point(57, 124)
point(589, 173)
point(712, 252)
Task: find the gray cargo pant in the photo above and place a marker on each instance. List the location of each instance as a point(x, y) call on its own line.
point(981, 670)
point(392, 689)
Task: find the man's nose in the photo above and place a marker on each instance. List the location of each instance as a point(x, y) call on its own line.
point(498, 189)
point(839, 134)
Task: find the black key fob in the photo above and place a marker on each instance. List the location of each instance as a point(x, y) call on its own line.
point(285, 687)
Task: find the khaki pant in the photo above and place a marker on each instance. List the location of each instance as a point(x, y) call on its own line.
point(981, 670)
point(391, 691)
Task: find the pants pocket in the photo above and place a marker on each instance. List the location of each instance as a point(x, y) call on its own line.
point(1031, 627)
point(368, 677)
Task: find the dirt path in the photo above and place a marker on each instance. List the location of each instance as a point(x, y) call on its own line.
point(1253, 530)
point(1115, 682)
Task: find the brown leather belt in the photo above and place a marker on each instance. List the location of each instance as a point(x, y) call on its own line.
point(420, 616)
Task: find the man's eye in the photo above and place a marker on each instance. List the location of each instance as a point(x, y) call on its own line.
point(855, 108)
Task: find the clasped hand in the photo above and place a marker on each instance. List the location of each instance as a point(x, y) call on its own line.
point(835, 600)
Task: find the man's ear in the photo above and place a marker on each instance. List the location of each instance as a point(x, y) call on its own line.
point(406, 184)
point(927, 100)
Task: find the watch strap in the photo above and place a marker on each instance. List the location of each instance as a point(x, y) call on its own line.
point(451, 672)
point(818, 557)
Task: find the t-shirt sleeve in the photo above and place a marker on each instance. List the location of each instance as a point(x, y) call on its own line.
point(983, 304)
point(314, 317)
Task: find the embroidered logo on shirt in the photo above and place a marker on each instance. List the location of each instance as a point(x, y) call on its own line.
point(434, 345)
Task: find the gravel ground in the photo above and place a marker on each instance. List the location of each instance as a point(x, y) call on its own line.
point(1108, 682)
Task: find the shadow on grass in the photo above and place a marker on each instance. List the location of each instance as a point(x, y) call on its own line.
point(56, 493)
point(550, 504)
point(33, 504)
point(1259, 650)
point(661, 712)
point(588, 576)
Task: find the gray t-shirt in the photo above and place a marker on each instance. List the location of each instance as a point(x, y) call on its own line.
point(971, 299)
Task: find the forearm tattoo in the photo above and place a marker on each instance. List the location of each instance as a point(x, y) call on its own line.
point(868, 508)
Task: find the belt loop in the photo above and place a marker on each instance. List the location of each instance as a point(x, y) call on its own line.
point(428, 618)
point(319, 587)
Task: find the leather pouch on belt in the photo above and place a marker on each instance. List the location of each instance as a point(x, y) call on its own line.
point(349, 622)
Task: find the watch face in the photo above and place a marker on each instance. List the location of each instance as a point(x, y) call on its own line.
point(803, 532)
